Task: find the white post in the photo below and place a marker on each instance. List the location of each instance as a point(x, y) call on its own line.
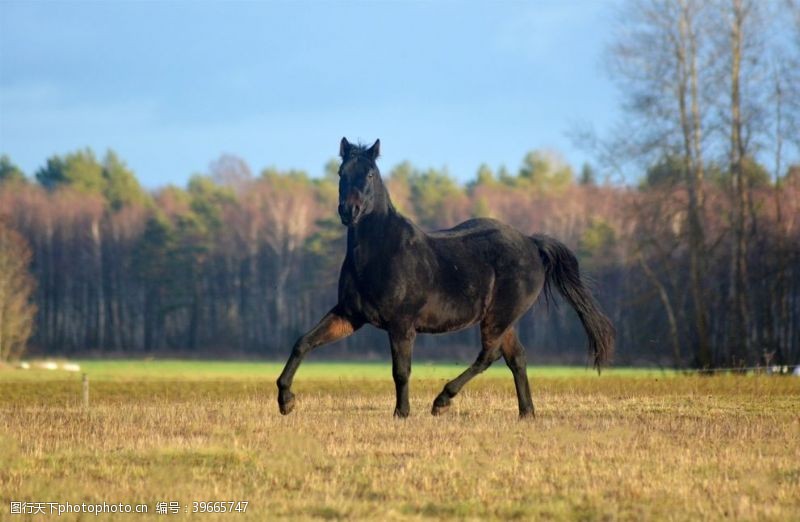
point(85, 391)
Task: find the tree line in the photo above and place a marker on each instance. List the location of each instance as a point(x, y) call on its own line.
point(240, 264)
point(697, 264)
point(710, 87)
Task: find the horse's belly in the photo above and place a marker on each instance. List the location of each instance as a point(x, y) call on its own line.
point(440, 314)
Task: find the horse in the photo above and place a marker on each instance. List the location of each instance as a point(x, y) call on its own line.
point(406, 281)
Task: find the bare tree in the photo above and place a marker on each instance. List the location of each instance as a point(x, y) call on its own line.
point(738, 15)
point(287, 203)
point(656, 61)
point(16, 288)
point(231, 171)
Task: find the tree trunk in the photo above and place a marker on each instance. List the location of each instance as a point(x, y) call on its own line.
point(739, 326)
point(99, 305)
point(665, 300)
point(686, 55)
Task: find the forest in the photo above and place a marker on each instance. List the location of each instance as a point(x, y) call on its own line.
point(237, 264)
point(687, 226)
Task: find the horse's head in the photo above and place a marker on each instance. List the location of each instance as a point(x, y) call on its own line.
point(360, 186)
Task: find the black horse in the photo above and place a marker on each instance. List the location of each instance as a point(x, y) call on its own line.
point(403, 280)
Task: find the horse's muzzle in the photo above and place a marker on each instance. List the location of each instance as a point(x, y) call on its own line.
point(350, 214)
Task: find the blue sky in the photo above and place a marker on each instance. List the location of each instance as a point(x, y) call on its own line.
point(173, 85)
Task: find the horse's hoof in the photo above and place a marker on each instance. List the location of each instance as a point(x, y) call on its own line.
point(399, 414)
point(527, 415)
point(439, 410)
point(440, 405)
point(287, 405)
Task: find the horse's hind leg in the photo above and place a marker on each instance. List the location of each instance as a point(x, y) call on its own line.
point(490, 352)
point(514, 354)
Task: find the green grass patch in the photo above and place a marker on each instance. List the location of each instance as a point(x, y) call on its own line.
point(194, 370)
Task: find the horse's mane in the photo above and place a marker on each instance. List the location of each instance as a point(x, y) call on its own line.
point(359, 150)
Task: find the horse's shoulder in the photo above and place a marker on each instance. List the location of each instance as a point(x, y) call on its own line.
point(409, 232)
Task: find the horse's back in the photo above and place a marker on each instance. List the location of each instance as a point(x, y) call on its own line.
point(488, 240)
point(470, 227)
point(484, 263)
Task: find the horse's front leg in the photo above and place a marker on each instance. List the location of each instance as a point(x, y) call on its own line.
point(402, 343)
point(332, 327)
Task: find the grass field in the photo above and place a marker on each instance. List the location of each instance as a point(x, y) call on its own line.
point(628, 445)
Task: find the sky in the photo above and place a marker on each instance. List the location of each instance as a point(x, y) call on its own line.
point(171, 86)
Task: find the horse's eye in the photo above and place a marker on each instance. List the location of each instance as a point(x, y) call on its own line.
point(369, 175)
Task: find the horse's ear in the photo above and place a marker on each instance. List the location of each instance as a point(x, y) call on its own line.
point(344, 148)
point(375, 150)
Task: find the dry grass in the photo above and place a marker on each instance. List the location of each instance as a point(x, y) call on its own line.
point(607, 448)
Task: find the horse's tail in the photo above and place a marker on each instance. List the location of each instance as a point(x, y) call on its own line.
point(561, 269)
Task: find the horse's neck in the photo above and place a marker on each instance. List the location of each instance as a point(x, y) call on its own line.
point(373, 237)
